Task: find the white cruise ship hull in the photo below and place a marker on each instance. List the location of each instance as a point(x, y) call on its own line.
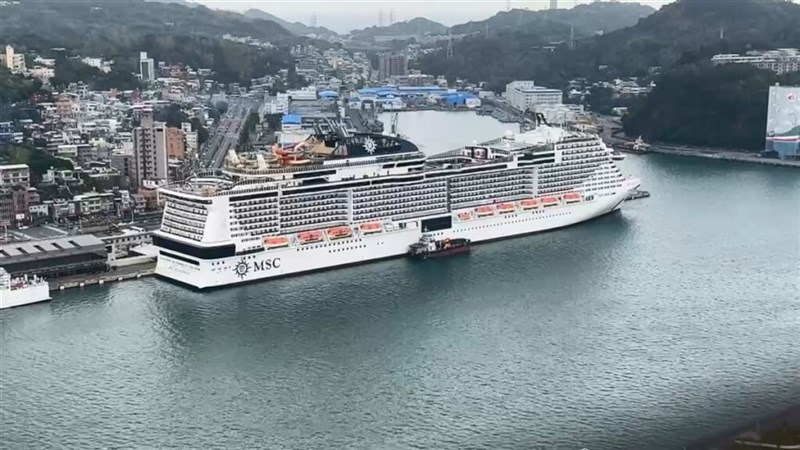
point(24, 296)
point(361, 248)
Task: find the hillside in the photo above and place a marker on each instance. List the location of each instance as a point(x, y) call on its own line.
point(294, 27)
point(588, 19)
point(691, 30)
point(724, 106)
point(78, 24)
point(679, 33)
point(170, 32)
point(415, 27)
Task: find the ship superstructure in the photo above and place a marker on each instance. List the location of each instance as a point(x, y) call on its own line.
point(338, 199)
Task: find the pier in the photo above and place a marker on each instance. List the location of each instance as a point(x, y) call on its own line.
point(723, 155)
point(121, 274)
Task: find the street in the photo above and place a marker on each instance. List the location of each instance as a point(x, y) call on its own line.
point(226, 134)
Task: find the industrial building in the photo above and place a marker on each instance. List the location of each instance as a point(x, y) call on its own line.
point(53, 258)
point(525, 95)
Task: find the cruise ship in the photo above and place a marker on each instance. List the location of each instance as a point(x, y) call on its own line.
point(339, 198)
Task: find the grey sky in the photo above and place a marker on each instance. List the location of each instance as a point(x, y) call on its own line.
point(343, 16)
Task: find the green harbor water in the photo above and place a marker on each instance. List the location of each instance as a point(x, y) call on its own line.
point(674, 319)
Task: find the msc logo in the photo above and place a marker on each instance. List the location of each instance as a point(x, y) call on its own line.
point(242, 268)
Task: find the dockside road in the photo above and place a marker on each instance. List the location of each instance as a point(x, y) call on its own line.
point(119, 274)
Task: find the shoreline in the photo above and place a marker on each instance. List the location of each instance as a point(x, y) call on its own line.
point(750, 434)
point(98, 279)
point(721, 155)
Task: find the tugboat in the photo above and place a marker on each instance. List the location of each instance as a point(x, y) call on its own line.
point(428, 247)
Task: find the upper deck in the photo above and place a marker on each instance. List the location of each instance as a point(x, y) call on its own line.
point(321, 156)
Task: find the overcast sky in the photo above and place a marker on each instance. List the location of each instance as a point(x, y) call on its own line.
point(343, 16)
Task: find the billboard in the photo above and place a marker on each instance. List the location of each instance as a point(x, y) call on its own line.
point(783, 121)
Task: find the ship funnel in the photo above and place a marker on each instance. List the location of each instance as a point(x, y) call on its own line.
point(233, 157)
point(260, 161)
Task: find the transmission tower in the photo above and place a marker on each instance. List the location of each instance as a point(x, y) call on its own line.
point(391, 16)
point(313, 20)
point(380, 17)
point(449, 45)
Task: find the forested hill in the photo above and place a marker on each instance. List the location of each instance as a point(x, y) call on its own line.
point(679, 33)
point(587, 19)
point(95, 26)
point(416, 26)
point(119, 30)
point(294, 27)
point(724, 106)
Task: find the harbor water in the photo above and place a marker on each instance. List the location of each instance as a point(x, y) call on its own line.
point(645, 329)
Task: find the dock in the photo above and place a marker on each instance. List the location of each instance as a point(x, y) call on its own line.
point(121, 274)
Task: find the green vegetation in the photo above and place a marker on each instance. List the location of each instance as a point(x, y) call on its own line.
point(680, 33)
point(14, 88)
point(587, 19)
point(73, 70)
point(39, 161)
point(168, 32)
point(416, 26)
point(247, 129)
point(724, 106)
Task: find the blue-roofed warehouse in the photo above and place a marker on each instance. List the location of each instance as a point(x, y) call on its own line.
point(328, 94)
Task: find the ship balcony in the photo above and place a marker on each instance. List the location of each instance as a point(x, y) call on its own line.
point(184, 220)
point(403, 200)
point(417, 206)
point(181, 233)
point(183, 213)
point(313, 214)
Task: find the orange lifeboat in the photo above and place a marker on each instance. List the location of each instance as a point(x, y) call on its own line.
point(549, 201)
point(482, 211)
point(465, 215)
point(309, 237)
point(276, 242)
point(371, 227)
point(529, 204)
point(572, 197)
point(504, 208)
point(339, 232)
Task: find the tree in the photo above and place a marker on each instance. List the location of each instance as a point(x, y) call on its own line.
point(39, 161)
point(704, 105)
point(173, 115)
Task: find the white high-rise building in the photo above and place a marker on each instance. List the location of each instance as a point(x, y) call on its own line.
point(524, 95)
point(147, 70)
point(150, 151)
point(14, 62)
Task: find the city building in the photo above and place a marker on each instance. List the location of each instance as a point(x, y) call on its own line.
point(150, 150)
point(553, 4)
point(42, 73)
point(780, 61)
point(94, 203)
point(122, 241)
point(783, 122)
point(147, 70)
point(15, 175)
point(189, 138)
point(524, 95)
point(176, 147)
point(124, 162)
point(392, 64)
point(14, 62)
point(15, 204)
point(53, 258)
